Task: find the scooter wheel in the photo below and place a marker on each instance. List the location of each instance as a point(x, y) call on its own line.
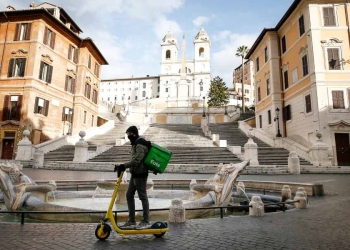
point(102, 234)
point(159, 235)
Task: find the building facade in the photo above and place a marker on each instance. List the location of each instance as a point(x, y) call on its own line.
point(248, 79)
point(49, 76)
point(302, 68)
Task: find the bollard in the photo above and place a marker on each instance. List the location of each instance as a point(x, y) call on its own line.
point(299, 196)
point(301, 189)
point(286, 193)
point(257, 207)
point(177, 212)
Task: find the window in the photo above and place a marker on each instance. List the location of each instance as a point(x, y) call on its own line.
point(89, 62)
point(166, 90)
point(92, 120)
point(49, 37)
point(269, 116)
point(84, 119)
point(259, 94)
point(144, 85)
point(16, 67)
point(70, 84)
point(168, 54)
point(67, 114)
point(41, 106)
point(97, 70)
point(158, 89)
point(295, 75)
point(240, 90)
point(288, 113)
point(143, 93)
point(308, 107)
point(246, 99)
point(338, 99)
point(305, 66)
point(73, 54)
point(45, 73)
point(301, 26)
point(136, 98)
point(257, 64)
point(333, 59)
point(284, 45)
point(128, 97)
point(201, 88)
point(285, 77)
point(268, 87)
point(260, 121)
point(329, 16)
point(87, 90)
point(266, 55)
point(12, 108)
point(201, 52)
point(94, 96)
point(22, 31)
point(246, 91)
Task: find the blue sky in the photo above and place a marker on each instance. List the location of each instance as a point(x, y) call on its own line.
point(129, 32)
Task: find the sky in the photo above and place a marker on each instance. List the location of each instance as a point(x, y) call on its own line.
point(129, 32)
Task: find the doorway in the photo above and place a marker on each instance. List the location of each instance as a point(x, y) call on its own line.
point(342, 144)
point(7, 148)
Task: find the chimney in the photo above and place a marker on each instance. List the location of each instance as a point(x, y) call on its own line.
point(32, 5)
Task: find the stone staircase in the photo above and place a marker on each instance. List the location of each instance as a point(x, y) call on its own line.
point(110, 137)
point(267, 155)
point(65, 153)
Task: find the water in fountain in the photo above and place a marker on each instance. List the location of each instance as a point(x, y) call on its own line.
point(242, 191)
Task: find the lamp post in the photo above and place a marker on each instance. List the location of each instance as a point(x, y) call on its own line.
point(203, 106)
point(70, 121)
point(277, 118)
point(146, 106)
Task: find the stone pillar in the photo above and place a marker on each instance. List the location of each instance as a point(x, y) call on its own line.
point(319, 152)
point(286, 193)
point(24, 151)
point(301, 189)
point(204, 122)
point(257, 208)
point(251, 150)
point(177, 212)
point(81, 153)
point(300, 196)
point(222, 143)
point(38, 160)
point(240, 189)
point(215, 138)
point(293, 163)
point(193, 182)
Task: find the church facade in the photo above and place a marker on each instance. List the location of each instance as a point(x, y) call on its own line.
point(179, 79)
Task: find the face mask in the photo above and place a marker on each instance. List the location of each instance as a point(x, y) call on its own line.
point(130, 137)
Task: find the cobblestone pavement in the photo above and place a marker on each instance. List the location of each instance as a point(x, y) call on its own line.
point(324, 225)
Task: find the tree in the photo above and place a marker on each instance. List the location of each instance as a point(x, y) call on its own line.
point(242, 52)
point(218, 93)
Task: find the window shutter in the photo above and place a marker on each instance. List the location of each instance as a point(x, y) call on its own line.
point(70, 52)
point(17, 32)
point(10, 69)
point(46, 108)
point(36, 105)
point(45, 35)
point(89, 62)
point(73, 86)
point(75, 59)
point(29, 28)
point(49, 74)
point(53, 40)
point(326, 16)
point(63, 113)
point(331, 16)
point(41, 70)
point(19, 108)
point(5, 112)
point(23, 66)
point(66, 85)
point(336, 58)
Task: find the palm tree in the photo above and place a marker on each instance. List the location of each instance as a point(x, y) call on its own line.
point(242, 52)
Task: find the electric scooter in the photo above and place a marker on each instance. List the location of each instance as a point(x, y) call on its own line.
point(103, 230)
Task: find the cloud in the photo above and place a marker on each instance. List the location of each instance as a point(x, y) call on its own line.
point(224, 61)
point(200, 20)
point(162, 26)
point(222, 35)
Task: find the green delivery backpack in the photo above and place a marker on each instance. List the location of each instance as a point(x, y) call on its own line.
point(157, 158)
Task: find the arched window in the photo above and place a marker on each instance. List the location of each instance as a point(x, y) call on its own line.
point(201, 52)
point(143, 93)
point(168, 54)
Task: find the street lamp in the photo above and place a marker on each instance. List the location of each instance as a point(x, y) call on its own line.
point(277, 118)
point(203, 106)
point(146, 106)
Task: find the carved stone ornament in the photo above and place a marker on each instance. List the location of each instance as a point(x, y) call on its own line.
point(47, 58)
point(88, 79)
point(19, 52)
point(303, 50)
point(267, 75)
point(71, 72)
point(285, 66)
point(331, 42)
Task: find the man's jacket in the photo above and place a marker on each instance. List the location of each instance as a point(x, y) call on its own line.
point(138, 153)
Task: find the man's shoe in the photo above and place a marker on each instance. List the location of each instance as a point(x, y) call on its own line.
point(143, 224)
point(129, 224)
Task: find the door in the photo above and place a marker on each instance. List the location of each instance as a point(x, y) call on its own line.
point(342, 144)
point(7, 148)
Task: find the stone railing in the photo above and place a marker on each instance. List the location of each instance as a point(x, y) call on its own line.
point(301, 150)
point(262, 135)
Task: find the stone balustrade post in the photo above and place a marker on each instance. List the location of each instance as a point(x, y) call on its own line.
point(177, 212)
point(81, 153)
point(237, 150)
point(257, 208)
point(300, 196)
point(286, 193)
point(251, 150)
point(319, 153)
point(240, 189)
point(24, 151)
point(293, 163)
point(38, 160)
